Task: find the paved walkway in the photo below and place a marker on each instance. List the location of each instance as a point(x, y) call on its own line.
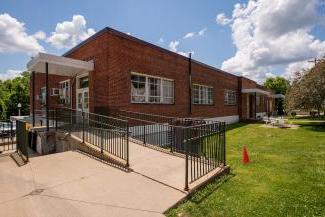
point(159, 166)
point(72, 184)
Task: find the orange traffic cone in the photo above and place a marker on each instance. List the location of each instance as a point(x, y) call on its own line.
point(245, 155)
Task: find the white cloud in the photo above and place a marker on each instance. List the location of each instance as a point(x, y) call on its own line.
point(189, 35)
point(40, 35)
point(14, 39)
point(222, 19)
point(69, 33)
point(161, 40)
point(271, 33)
point(173, 47)
point(194, 34)
point(202, 31)
point(9, 74)
point(295, 67)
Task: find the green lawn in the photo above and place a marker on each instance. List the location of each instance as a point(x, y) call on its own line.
point(286, 176)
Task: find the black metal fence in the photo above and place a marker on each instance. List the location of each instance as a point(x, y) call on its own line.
point(109, 134)
point(40, 118)
point(205, 151)
point(201, 142)
point(22, 132)
point(7, 136)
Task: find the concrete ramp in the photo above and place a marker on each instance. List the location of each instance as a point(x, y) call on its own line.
point(73, 184)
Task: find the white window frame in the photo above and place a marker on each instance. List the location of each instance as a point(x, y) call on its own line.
point(43, 99)
point(55, 91)
point(228, 100)
point(203, 95)
point(65, 98)
point(147, 90)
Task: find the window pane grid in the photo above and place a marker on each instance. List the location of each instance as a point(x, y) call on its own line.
point(202, 95)
point(145, 89)
point(65, 92)
point(230, 97)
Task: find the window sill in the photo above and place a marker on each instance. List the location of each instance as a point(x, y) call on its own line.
point(203, 104)
point(152, 103)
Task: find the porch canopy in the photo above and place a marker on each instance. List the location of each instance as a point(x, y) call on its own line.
point(255, 91)
point(278, 96)
point(57, 65)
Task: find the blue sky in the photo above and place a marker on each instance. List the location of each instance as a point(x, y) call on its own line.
point(168, 20)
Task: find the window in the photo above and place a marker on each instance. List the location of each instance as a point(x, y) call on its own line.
point(138, 88)
point(230, 97)
point(148, 89)
point(84, 82)
point(65, 92)
point(43, 95)
point(202, 95)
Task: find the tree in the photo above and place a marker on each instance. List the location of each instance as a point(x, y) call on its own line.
point(308, 89)
point(12, 92)
point(280, 85)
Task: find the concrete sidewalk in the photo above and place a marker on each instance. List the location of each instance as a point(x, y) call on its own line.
point(165, 168)
point(72, 184)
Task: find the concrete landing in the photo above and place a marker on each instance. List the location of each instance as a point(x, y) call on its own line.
point(72, 184)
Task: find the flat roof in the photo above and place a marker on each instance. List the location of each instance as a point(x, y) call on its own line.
point(59, 65)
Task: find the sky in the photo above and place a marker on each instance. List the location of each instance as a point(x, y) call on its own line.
point(253, 38)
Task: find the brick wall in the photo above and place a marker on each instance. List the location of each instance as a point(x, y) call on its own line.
point(40, 81)
point(116, 55)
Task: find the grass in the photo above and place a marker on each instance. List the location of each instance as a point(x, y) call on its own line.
point(286, 176)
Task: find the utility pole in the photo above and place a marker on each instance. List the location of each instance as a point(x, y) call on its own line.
point(315, 60)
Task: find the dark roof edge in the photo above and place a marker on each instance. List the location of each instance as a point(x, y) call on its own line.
point(108, 29)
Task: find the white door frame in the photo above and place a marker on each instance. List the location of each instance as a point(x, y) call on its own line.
point(82, 90)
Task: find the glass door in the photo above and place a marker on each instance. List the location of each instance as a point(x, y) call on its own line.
point(83, 99)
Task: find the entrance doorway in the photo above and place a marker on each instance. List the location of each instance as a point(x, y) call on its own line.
point(82, 93)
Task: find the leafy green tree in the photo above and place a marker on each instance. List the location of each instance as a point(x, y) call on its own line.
point(308, 90)
point(12, 92)
point(280, 85)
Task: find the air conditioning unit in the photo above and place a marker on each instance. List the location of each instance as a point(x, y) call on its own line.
point(55, 91)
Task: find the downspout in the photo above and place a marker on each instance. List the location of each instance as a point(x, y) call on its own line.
point(47, 96)
point(190, 82)
point(33, 98)
point(73, 80)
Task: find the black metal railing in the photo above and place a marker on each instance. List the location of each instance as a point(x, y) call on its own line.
point(7, 136)
point(159, 131)
point(40, 118)
point(22, 134)
point(201, 142)
point(109, 134)
point(204, 152)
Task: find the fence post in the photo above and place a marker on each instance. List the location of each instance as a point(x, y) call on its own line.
point(56, 119)
point(144, 133)
point(127, 145)
point(83, 127)
point(101, 141)
point(11, 133)
point(186, 165)
point(224, 143)
point(171, 138)
point(70, 125)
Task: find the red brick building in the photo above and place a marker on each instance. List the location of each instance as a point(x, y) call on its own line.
point(114, 70)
